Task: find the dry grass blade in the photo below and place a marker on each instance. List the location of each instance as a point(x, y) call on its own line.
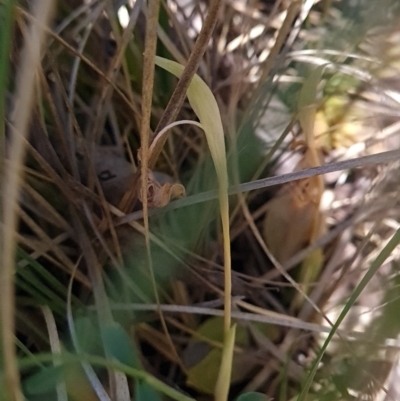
point(206, 108)
point(258, 315)
point(55, 346)
point(268, 65)
point(22, 110)
point(101, 74)
point(117, 62)
point(224, 376)
point(363, 161)
point(7, 14)
point(375, 265)
point(147, 95)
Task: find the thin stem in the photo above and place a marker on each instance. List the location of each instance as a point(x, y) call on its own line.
point(177, 98)
point(29, 64)
point(224, 202)
point(378, 158)
point(6, 18)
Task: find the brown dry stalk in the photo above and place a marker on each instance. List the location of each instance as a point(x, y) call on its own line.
point(30, 61)
point(76, 53)
point(147, 95)
point(177, 98)
point(272, 58)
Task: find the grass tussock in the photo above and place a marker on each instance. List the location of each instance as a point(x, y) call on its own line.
point(126, 270)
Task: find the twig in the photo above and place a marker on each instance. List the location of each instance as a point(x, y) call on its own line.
point(177, 98)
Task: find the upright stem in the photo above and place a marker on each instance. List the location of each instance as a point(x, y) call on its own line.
point(25, 83)
point(178, 96)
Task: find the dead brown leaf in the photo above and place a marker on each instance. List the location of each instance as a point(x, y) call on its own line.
point(160, 194)
point(293, 218)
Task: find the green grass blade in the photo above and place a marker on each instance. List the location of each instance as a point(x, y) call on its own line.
point(46, 277)
point(375, 265)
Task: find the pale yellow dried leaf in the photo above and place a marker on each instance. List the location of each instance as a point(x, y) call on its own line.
point(206, 108)
point(224, 376)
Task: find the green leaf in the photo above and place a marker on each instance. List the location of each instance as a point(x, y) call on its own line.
point(50, 279)
point(43, 381)
point(145, 392)
point(140, 374)
point(88, 335)
point(118, 345)
point(203, 376)
point(252, 397)
point(204, 362)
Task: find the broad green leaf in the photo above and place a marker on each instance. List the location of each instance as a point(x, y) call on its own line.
point(203, 360)
point(43, 381)
point(88, 335)
point(144, 392)
point(203, 376)
point(118, 345)
point(213, 329)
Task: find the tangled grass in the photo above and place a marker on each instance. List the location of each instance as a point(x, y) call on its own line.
point(112, 288)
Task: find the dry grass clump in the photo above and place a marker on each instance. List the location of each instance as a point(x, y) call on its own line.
point(112, 253)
